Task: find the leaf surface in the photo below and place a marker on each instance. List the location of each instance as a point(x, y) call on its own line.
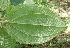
point(32, 24)
point(5, 40)
point(16, 2)
point(28, 2)
point(4, 4)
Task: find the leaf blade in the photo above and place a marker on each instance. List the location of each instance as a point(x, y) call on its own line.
point(33, 15)
point(33, 24)
point(5, 40)
point(4, 4)
point(30, 34)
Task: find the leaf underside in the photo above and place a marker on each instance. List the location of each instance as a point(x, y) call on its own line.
point(32, 24)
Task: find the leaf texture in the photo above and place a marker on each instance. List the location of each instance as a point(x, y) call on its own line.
point(28, 2)
point(4, 4)
point(25, 14)
point(30, 34)
point(32, 24)
point(5, 40)
point(16, 2)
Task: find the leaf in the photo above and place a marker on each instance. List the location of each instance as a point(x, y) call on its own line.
point(16, 2)
point(29, 2)
point(41, 1)
point(37, 1)
point(4, 4)
point(30, 34)
point(33, 15)
point(5, 40)
point(32, 24)
point(67, 31)
point(66, 20)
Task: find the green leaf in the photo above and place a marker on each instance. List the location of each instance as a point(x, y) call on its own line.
point(5, 40)
point(32, 24)
point(16, 2)
point(68, 29)
point(4, 4)
point(66, 20)
point(33, 14)
point(29, 2)
point(41, 1)
point(37, 1)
